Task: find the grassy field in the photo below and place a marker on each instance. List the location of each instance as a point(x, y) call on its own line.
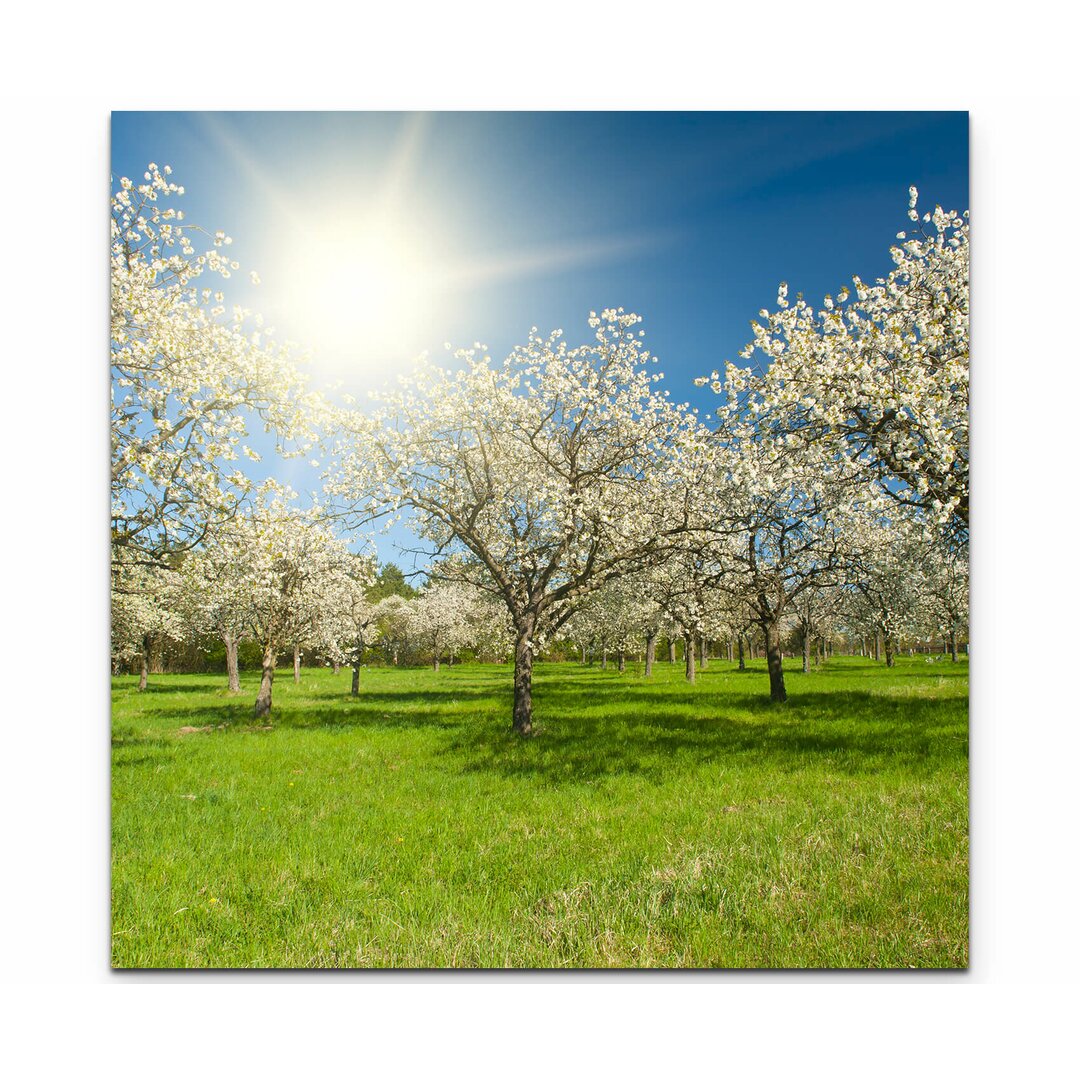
point(648, 823)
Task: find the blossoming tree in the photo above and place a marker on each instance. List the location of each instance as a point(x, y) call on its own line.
point(776, 539)
point(145, 609)
point(188, 376)
point(350, 620)
point(438, 618)
point(215, 600)
point(550, 473)
point(887, 568)
point(284, 563)
point(878, 374)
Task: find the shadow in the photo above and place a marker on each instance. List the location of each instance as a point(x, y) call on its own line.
point(209, 685)
point(402, 709)
point(648, 730)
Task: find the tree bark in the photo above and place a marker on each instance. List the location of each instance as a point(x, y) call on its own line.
point(877, 646)
point(266, 686)
point(622, 661)
point(582, 655)
point(952, 646)
point(523, 664)
point(688, 654)
point(742, 655)
point(806, 653)
point(704, 652)
point(650, 653)
point(296, 663)
point(777, 690)
point(356, 679)
point(890, 654)
point(337, 667)
point(671, 650)
point(231, 664)
point(603, 660)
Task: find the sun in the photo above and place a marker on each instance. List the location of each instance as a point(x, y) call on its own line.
point(354, 288)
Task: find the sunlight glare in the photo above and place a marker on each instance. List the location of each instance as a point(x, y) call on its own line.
point(354, 290)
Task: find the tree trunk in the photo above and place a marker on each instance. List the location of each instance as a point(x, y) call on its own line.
point(266, 687)
point(806, 653)
point(523, 663)
point(688, 654)
point(650, 653)
point(603, 660)
point(435, 660)
point(877, 646)
point(890, 654)
point(144, 662)
point(952, 646)
point(356, 679)
point(582, 655)
point(622, 661)
point(671, 650)
point(231, 664)
point(731, 651)
point(704, 650)
point(742, 655)
point(777, 691)
point(296, 663)
point(337, 667)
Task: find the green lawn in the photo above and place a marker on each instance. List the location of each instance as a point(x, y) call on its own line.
point(648, 823)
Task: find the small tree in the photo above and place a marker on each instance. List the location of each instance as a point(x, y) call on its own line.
point(350, 618)
point(887, 560)
point(438, 618)
point(948, 584)
point(144, 613)
point(284, 561)
point(215, 601)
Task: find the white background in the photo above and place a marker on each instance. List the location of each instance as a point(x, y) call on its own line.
point(64, 72)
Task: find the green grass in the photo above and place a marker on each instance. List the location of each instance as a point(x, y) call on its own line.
point(649, 823)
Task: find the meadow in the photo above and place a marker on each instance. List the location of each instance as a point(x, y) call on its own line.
point(649, 823)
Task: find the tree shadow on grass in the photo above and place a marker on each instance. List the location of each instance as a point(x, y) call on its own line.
point(593, 724)
point(402, 709)
point(325, 709)
point(849, 732)
point(831, 669)
point(208, 685)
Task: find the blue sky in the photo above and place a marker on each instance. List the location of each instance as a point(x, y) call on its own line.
point(512, 220)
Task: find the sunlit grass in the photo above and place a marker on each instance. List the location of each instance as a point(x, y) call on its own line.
point(648, 823)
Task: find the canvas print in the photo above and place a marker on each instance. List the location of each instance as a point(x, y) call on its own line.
point(539, 540)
